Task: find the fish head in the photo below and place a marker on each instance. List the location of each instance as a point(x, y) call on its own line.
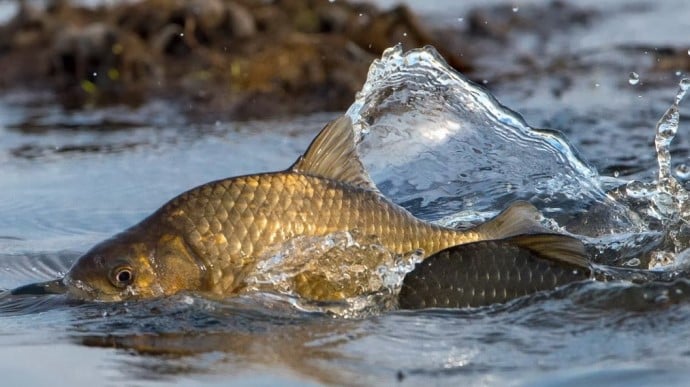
point(133, 266)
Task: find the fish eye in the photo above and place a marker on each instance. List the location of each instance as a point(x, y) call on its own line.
point(122, 276)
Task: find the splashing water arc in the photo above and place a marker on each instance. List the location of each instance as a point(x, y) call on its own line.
point(453, 151)
point(448, 151)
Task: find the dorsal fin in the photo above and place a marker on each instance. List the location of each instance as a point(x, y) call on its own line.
point(520, 218)
point(333, 155)
point(555, 247)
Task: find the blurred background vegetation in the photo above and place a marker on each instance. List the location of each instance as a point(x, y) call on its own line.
point(243, 59)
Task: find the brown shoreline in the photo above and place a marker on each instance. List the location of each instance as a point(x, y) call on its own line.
point(245, 59)
point(219, 59)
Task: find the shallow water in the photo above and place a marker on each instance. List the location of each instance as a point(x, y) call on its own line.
point(68, 181)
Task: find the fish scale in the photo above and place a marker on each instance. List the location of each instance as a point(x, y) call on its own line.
point(326, 207)
point(483, 273)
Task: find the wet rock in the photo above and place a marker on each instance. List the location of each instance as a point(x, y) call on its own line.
point(206, 15)
point(79, 52)
point(98, 63)
point(240, 21)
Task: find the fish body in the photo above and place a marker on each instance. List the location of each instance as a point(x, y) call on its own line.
point(211, 238)
point(488, 272)
point(230, 224)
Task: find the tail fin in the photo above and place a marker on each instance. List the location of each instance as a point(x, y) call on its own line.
point(554, 247)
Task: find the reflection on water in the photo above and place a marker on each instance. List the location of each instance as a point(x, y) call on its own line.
point(307, 349)
point(191, 337)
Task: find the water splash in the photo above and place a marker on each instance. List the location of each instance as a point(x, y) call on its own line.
point(356, 271)
point(444, 147)
point(665, 203)
point(673, 197)
point(663, 206)
point(448, 151)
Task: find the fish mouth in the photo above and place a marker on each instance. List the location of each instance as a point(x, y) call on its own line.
point(41, 288)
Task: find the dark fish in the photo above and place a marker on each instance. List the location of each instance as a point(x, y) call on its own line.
point(490, 272)
point(211, 238)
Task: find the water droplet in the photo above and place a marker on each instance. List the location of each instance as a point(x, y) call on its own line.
point(485, 81)
point(678, 73)
point(662, 298)
point(515, 9)
point(689, 51)
point(404, 33)
point(597, 85)
point(361, 14)
point(461, 19)
point(331, 1)
point(634, 78)
point(682, 171)
point(181, 33)
point(684, 84)
point(632, 262)
point(95, 74)
point(616, 174)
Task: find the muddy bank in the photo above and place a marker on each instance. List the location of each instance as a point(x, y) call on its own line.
point(240, 59)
